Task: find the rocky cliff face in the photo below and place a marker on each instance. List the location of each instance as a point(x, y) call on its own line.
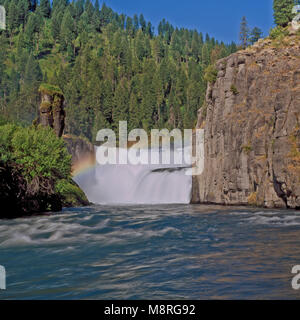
point(252, 128)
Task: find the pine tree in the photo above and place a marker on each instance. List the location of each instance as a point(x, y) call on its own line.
point(205, 55)
point(56, 24)
point(89, 8)
point(159, 50)
point(255, 34)
point(67, 30)
point(134, 113)
point(79, 8)
point(32, 31)
point(136, 23)
point(96, 21)
point(195, 47)
point(12, 18)
point(33, 5)
point(129, 26)
point(142, 23)
point(97, 6)
point(149, 30)
point(107, 101)
point(283, 12)
point(99, 124)
point(3, 77)
point(33, 74)
point(140, 45)
point(121, 103)
point(23, 12)
point(105, 15)
point(45, 8)
point(244, 33)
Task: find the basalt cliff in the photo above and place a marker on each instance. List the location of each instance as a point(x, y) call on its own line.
point(251, 119)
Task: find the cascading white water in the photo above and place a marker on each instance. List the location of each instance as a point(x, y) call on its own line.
point(137, 184)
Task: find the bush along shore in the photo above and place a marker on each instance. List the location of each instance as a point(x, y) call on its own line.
point(35, 172)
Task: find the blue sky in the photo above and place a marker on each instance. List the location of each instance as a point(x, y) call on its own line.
point(219, 18)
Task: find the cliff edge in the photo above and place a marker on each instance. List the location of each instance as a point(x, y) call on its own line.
point(251, 119)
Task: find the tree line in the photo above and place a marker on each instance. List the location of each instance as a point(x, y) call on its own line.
point(110, 66)
point(283, 15)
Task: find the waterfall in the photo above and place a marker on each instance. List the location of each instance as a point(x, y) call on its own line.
point(112, 184)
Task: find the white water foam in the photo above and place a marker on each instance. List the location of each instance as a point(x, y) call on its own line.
point(137, 184)
point(269, 218)
point(58, 230)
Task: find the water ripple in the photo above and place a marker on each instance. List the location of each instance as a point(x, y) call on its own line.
point(151, 252)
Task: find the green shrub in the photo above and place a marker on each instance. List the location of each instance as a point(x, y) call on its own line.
point(41, 153)
point(211, 73)
point(43, 165)
point(38, 151)
point(278, 33)
point(6, 135)
point(50, 89)
point(234, 90)
point(3, 120)
point(247, 148)
point(70, 193)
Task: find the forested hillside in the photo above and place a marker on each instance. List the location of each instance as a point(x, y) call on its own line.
point(110, 67)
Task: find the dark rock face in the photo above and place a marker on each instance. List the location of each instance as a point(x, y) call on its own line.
point(252, 129)
point(52, 109)
point(19, 198)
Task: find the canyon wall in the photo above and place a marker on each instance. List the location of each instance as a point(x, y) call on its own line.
point(251, 119)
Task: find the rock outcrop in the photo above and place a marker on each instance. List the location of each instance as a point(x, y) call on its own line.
point(251, 119)
point(52, 108)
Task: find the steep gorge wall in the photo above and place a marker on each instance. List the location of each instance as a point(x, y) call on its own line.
point(252, 128)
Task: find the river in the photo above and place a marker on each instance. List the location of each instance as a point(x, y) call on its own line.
point(152, 252)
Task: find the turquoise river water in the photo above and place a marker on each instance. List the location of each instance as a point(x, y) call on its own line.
point(152, 252)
